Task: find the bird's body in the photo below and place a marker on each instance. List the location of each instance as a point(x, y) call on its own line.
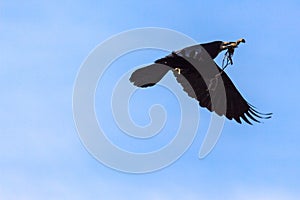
point(202, 79)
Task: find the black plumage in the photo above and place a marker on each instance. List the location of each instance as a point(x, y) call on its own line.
point(203, 79)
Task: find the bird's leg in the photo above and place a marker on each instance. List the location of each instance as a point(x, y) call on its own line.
point(178, 70)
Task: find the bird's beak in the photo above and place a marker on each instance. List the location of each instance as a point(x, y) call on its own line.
point(227, 45)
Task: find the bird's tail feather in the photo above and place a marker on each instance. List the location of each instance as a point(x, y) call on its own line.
point(149, 75)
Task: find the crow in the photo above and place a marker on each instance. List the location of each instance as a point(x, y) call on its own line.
point(202, 79)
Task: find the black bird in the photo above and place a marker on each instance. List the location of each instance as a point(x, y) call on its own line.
point(203, 79)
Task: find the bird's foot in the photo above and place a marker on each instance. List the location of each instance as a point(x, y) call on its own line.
point(178, 70)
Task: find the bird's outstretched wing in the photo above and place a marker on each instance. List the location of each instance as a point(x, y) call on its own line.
point(149, 75)
point(216, 93)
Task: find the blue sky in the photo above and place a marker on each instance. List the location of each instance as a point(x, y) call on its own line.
point(43, 45)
